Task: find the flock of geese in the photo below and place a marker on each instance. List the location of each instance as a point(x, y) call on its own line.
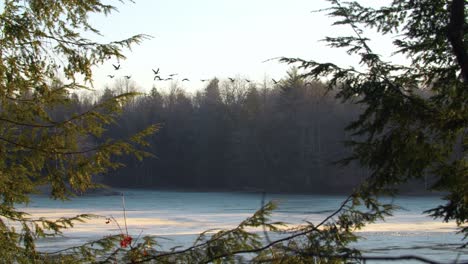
point(158, 77)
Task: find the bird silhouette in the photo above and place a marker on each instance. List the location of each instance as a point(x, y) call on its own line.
point(204, 80)
point(247, 80)
point(157, 77)
point(156, 71)
point(231, 79)
point(274, 81)
point(185, 79)
point(167, 79)
point(172, 74)
point(128, 76)
point(116, 67)
point(110, 76)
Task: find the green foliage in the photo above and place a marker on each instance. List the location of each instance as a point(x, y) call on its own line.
point(39, 41)
point(415, 117)
point(413, 124)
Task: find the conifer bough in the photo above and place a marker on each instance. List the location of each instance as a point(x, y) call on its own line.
point(42, 140)
point(414, 122)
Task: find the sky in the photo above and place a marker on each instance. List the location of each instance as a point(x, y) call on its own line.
point(216, 38)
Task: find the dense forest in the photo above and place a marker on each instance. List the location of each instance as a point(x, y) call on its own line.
point(235, 135)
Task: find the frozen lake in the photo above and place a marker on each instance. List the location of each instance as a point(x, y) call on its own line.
point(180, 216)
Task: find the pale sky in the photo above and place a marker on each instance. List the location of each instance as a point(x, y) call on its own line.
point(217, 38)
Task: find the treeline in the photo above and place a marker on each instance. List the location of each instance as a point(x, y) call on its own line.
point(281, 137)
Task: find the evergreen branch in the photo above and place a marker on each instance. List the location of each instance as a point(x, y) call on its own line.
point(269, 245)
point(89, 243)
point(354, 27)
point(73, 118)
point(43, 220)
point(288, 238)
point(112, 256)
point(99, 106)
point(87, 43)
point(404, 257)
point(52, 151)
point(373, 258)
point(261, 212)
point(25, 124)
point(31, 101)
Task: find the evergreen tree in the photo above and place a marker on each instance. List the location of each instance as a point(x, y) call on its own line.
point(42, 143)
point(414, 119)
point(211, 136)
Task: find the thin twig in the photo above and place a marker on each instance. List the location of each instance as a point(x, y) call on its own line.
point(124, 213)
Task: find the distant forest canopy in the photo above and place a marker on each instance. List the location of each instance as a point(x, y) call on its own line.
point(282, 137)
